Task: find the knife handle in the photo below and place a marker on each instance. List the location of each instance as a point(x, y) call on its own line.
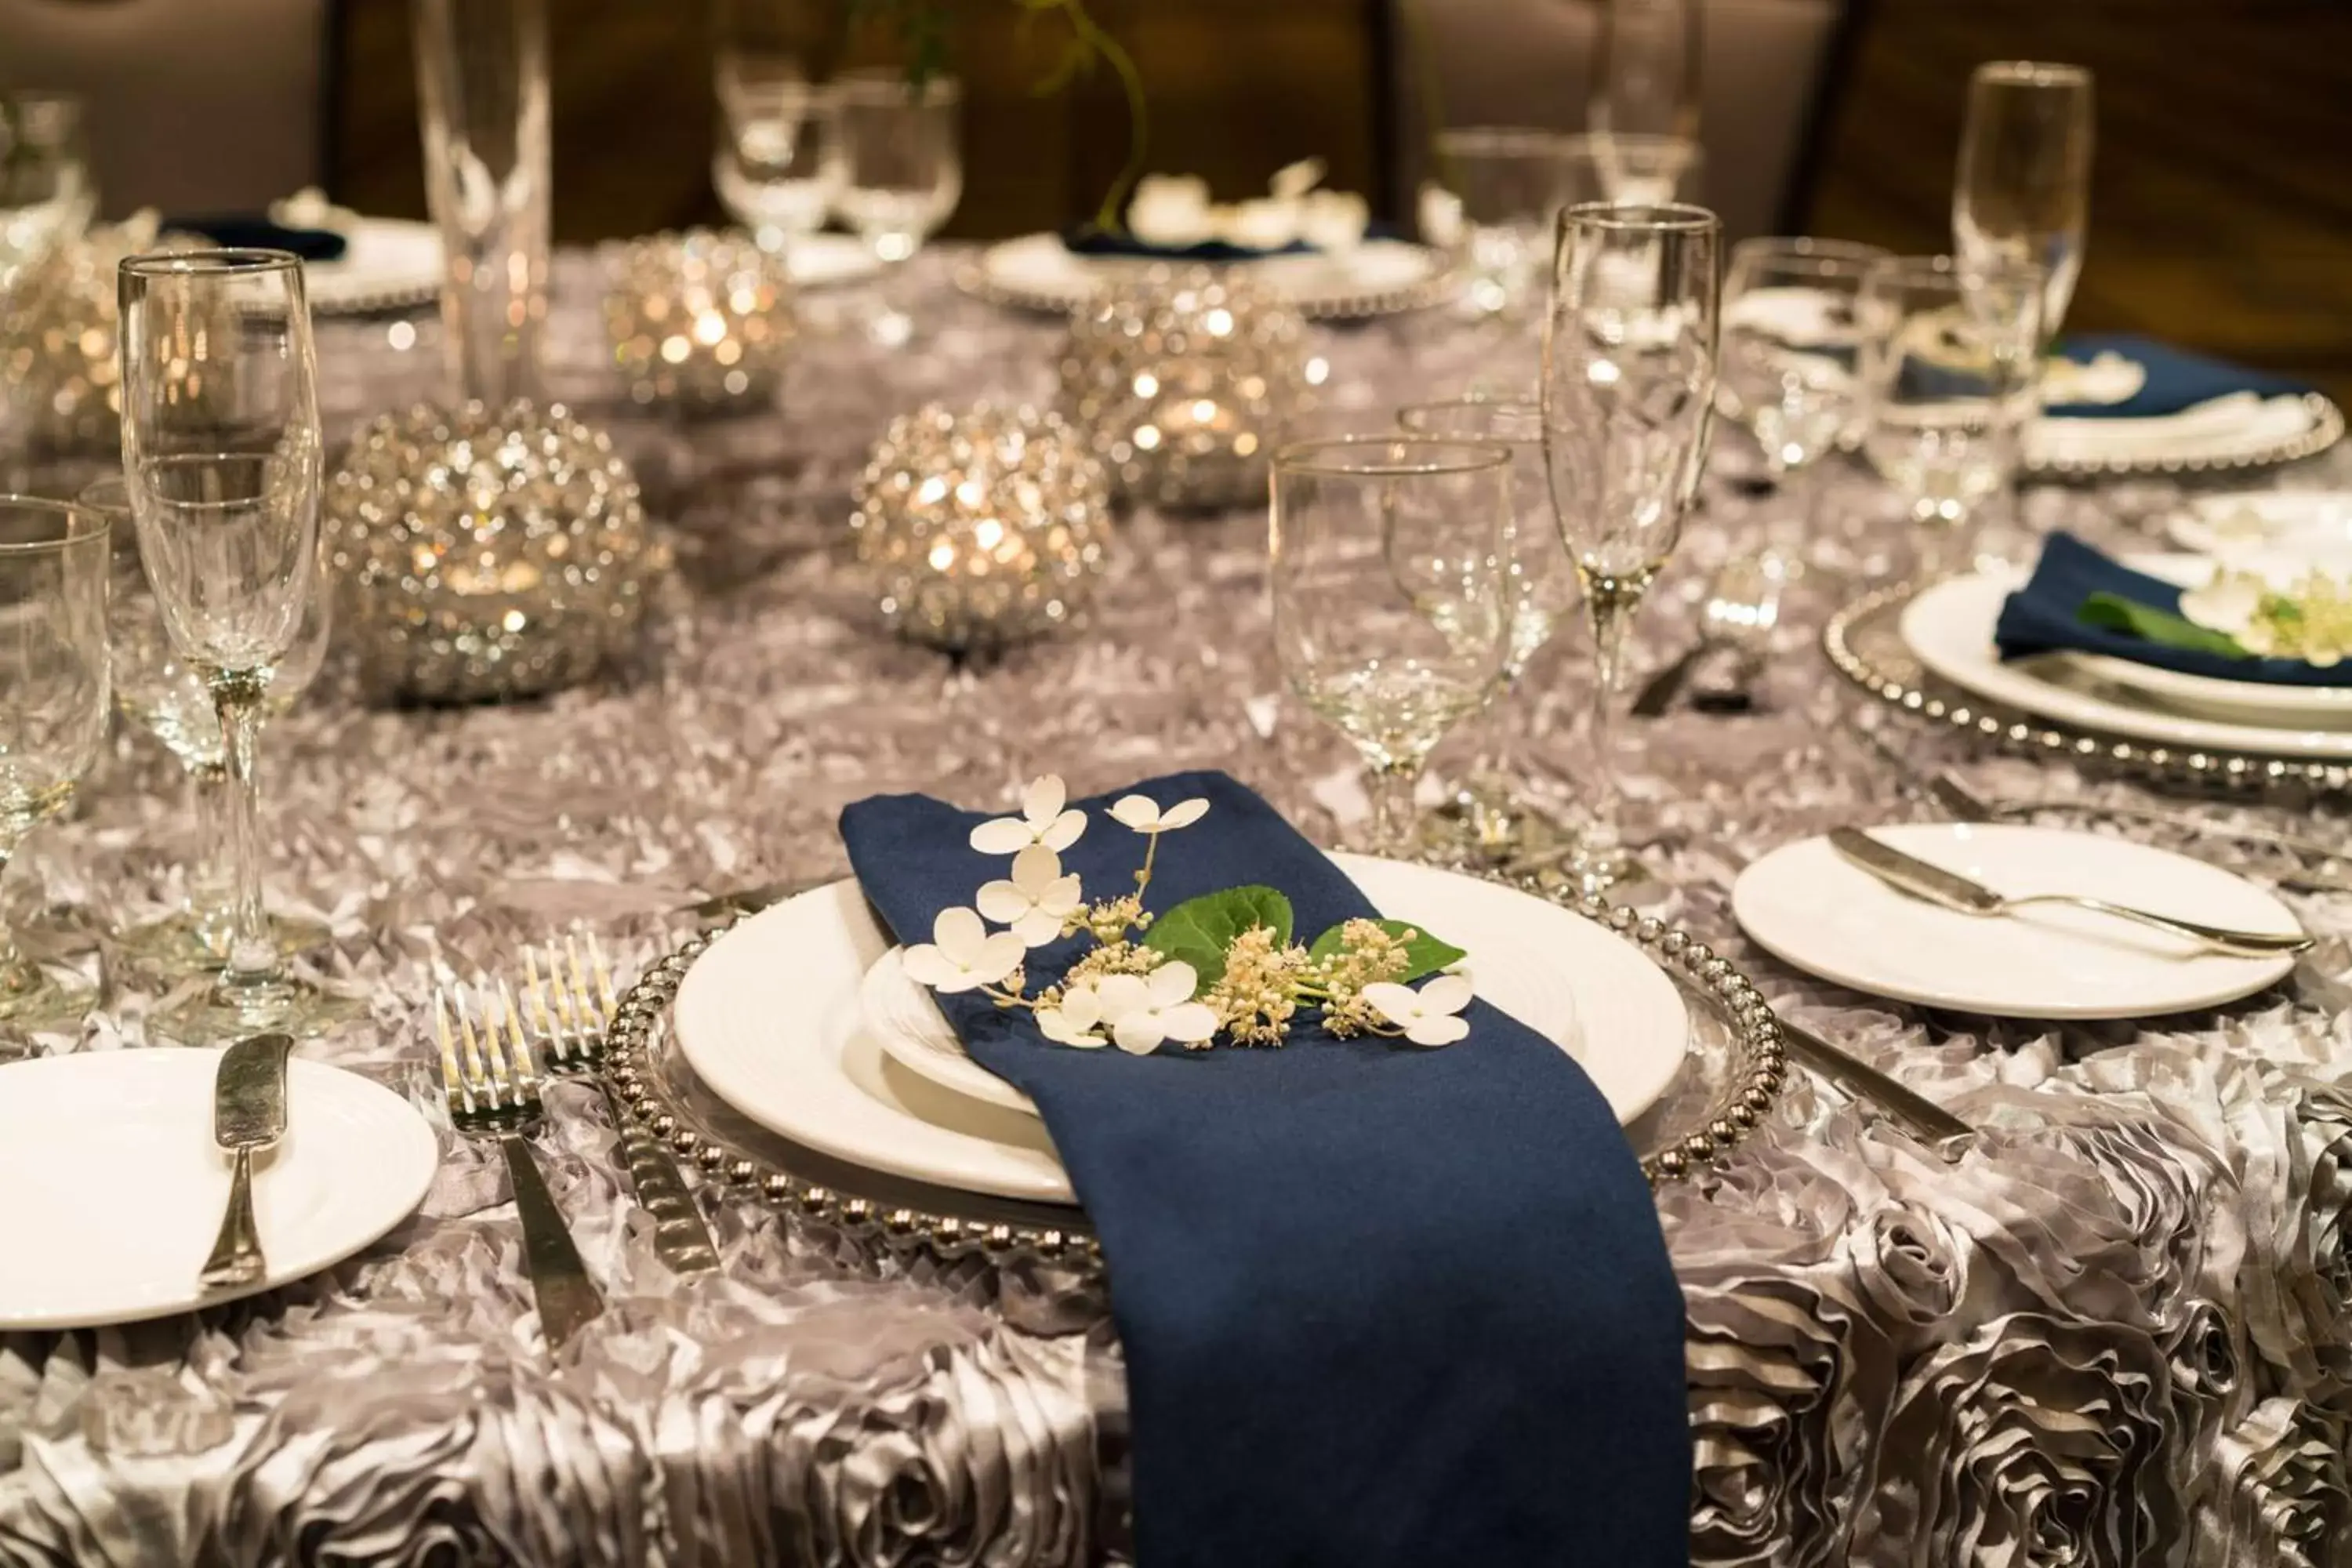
point(559, 1279)
point(236, 1260)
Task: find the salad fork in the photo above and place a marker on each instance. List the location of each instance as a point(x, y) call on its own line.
point(492, 1087)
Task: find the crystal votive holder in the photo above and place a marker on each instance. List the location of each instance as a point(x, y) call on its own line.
point(701, 321)
point(981, 528)
point(1181, 380)
point(486, 554)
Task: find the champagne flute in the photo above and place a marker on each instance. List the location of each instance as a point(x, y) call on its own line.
point(1540, 586)
point(221, 449)
point(2021, 198)
point(896, 170)
point(1391, 606)
point(53, 707)
point(1645, 97)
point(157, 691)
point(1630, 349)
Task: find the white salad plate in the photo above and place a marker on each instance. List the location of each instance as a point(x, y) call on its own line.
point(114, 1187)
point(2302, 527)
point(772, 1019)
point(1808, 906)
point(1948, 627)
point(820, 260)
point(1039, 272)
point(387, 263)
point(2240, 430)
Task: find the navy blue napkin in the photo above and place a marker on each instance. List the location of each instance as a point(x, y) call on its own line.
point(1092, 241)
point(1382, 1306)
point(2177, 379)
point(2043, 617)
point(241, 231)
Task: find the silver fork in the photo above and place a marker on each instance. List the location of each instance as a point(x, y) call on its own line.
point(571, 1006)
point(492, 1089)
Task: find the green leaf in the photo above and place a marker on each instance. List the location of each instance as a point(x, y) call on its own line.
point(2113, 611)
point(1198, 930)
point(1424, 955)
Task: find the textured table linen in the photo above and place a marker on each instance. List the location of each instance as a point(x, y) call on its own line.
point(2121, 1332)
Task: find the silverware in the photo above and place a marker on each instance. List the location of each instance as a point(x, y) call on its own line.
point(1741, 608)
point(1946, 1134)
point(1923, 879)
point(490, 1096)
point(571, 1007)
point(249, 1115)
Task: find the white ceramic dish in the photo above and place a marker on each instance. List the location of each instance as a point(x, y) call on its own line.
point(2241, 430)
point(820, 260)
point(111, 1188)
point(1806, 906)
point(2312, 527)
point(801, 1063)
point(387, 263)
point(1038, 272)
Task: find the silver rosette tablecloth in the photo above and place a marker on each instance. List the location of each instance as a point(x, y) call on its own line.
point(2120, 1333)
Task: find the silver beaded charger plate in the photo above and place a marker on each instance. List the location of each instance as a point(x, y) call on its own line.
point(773, 1020)
point(1866, 643)
point(2265, 434)
point(387, 264)
point(1379, 278)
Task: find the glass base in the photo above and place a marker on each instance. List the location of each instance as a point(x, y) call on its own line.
point(178, 944)
point(1487, 823)
point(217, 1013)
point(34, 1002)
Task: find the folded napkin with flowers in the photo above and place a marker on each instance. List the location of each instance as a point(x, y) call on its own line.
point(2096, 380)
point(1395, 1293)
point(1173, 218)
point(2242, 625)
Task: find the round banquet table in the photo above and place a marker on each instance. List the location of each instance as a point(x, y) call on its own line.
point(2119, 1332)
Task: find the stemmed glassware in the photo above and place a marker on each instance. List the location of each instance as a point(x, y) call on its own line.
point(1629, 350)
point(45, 187)
point(1388, 561)
point(896, 170)
point(158, 690)
point(1541, 589)
point(770, 169)
point(2021, 196)
point(221, 450)
point(1508, 181)
point(53, 709)
point(1791, 341)
point(1644, 111)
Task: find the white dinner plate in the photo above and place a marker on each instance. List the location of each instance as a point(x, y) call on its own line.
point(819, 261)
point(111, 1188)
point(387, 263)
point(1806, 905)
point(2312, 527)
point(769, 1018)
point(1038, 272)
point(2240, 430)
point(1948, 626)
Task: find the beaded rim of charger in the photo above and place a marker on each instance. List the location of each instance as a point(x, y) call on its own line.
point(1758, 1074)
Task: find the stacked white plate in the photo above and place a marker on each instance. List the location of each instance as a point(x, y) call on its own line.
point(1039, 272)
point(774, 1018)
point(2240, 430)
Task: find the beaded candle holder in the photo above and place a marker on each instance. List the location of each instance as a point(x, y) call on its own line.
point(1180, 380)
point(982, 528)
point(58, 339)
point(701, 319)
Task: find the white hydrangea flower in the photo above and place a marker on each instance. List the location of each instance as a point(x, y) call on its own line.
point(1293, 180)
point(1143, 1011)
point(1042, 821)
point(1035, 900)
point(1334, 221)
point(962, 955)
point(2240, 535)
point(1172, 211)
point(1427, 1016)
point(1143, 813)
point(1270, 223)
point(1442, 221)
point(2227, 603)
point(1075, 1021)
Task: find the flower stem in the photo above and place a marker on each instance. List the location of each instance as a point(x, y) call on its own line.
point(1089, 34)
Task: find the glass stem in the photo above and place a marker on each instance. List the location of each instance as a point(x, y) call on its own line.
point(252, 956)
point(213, 876)
point(1391, 788)
point(12, 963)
point(1611, 604)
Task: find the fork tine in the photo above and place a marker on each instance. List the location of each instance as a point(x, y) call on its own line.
point(552, 1043)
point(527, 1080)
point(502, 1077)
point(603, 974)
point(453, 1086)
point(479, 1079)
point(575, 981)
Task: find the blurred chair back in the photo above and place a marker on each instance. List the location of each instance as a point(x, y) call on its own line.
point(191, 106)
point(1530, 62)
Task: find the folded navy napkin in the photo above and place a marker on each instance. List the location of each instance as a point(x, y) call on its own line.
point(2044, 616)
point(245, 232)
point(1382, 1306)
point(2177, 379)
point(1092, 241)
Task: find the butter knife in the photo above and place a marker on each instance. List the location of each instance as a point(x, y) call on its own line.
point(1925, 881)
point(249, 1115)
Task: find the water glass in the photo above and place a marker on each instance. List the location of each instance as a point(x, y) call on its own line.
point(1629, 347)
point(894, 169)
point(770, 170)
point(2021, 196)
point(45, 196)
point(1952, 389)
point(53, 711)
point(1388, 558)
point(1507, 184)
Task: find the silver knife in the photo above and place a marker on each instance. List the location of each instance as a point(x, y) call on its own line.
point(1922, 880)
point(249, 1115)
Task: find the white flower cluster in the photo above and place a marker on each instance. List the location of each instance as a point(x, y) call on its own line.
point(1174, 211)
point(2309, 619)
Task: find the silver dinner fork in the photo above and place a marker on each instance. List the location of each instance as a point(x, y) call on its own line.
point(568, 1001)
point(492, 1089)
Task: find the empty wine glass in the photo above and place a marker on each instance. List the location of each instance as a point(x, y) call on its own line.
point(221, 450)
point(156, 690)
point(1951, 390)
point(770, 169)
point(1505, 184)
point(1542, 590)
point(44, 188)
point(896, 170)
point(2023, 194)
point(1791, 342)
point(1646, 71)
point(1388, 558)
point(53, 707)
point(1629, 383)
